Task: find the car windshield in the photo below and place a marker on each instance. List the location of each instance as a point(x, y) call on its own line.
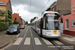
point(13, 26)
point(22, 25)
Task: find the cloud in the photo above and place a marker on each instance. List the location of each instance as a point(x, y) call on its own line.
point(26, 11)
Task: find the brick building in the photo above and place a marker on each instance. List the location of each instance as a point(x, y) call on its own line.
point(15, 15)
point(61, 6)
point(5, 5)
point(69, 21)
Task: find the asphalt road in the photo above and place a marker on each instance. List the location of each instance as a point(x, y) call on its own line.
point(30, 40)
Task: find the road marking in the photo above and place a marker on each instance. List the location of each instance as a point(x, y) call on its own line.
point(18, 41)
point(47, 42)
point(18, 35)
point(58, 42)
point(37, 41)
point(27, 41)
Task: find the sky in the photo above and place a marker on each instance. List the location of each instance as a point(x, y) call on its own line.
point(28, 9)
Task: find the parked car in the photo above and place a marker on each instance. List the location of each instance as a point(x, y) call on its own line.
point(22, 26)
point(13, 29)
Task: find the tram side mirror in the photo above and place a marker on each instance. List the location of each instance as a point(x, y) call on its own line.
point(57, 15)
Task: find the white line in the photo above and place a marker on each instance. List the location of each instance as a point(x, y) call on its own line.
point(47, 42)
point(18, 35)
point(59, 43)
point(27, 41)
point(18, 41)
point(37, 41)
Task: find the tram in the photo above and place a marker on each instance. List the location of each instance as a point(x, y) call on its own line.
point(47, 24)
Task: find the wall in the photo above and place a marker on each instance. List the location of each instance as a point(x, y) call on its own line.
point(9, 6)
point(63, 5)
point(3, 7)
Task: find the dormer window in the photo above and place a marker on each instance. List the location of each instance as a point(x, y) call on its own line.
point(1, 2)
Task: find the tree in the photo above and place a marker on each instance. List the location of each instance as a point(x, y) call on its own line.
point(10, 21)
point(6, 18)
point(15, 18)
point(10, 17)
point(16, 22)
point(26, 22)
point(9, 14)
point(2, 14)
point(32, 19)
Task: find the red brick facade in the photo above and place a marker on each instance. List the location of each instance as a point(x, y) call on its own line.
point(15, 15)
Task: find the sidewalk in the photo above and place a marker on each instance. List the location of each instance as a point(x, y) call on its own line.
point(5, 38)
point(68, 39)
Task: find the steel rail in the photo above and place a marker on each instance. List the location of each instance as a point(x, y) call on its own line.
point(22, 40)
point(32, 40)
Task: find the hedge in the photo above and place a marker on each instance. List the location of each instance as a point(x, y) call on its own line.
point(10, 21)
point(3, 26)
point(16, 22)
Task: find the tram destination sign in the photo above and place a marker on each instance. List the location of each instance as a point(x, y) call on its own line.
point(50, 15)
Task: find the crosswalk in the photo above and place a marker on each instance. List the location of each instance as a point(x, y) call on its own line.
point(18, 41)
point(27, 41)
point(36, 40)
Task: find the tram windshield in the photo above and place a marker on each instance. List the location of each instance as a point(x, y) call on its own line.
point(52, 23)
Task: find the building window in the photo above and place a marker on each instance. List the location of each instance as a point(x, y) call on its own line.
point(67, 24)
point(1, 2)
point(73, 23)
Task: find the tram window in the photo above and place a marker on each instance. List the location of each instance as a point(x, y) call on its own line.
point(56, 25)
point(44, 23)
point(52, 25)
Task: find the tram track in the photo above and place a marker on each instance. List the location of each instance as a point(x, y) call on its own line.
point(60, 47)
point(22, 40)
point(55, 44)
point(25, 35)
point(32, 40)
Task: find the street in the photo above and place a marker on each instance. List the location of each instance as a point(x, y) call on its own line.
point(30, 40)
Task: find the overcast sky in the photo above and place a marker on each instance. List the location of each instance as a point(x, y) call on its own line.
point(26, 11)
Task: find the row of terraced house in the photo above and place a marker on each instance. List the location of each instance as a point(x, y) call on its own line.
point(5, 5)
point(66, 9)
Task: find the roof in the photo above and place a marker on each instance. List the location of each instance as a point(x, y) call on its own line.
point(5, 1)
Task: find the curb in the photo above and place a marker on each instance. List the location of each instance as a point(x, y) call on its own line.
point(4, 45)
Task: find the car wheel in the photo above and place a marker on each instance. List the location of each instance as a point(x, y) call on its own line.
point(17, 32)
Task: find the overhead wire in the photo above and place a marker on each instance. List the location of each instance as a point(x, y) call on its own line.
point(43, 6)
